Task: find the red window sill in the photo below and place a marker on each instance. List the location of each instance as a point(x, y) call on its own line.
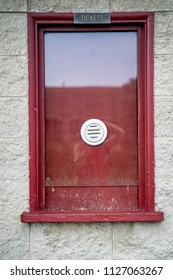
point(47, 217)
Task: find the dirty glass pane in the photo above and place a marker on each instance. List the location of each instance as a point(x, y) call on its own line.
point(90, 75)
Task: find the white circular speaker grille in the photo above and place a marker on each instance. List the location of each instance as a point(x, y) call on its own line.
point(93, 132)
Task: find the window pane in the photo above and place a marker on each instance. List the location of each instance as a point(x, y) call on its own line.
point(91, 75)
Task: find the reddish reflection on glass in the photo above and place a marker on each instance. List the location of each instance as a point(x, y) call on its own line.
point(90, 76)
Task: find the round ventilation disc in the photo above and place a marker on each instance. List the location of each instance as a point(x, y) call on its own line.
point(93, 132)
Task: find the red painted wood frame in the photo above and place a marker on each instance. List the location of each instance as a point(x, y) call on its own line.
point(143, 23)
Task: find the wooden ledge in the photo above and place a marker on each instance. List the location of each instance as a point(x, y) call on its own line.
point(48, 217)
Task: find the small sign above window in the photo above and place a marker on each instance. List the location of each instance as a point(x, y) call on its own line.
point(91, 18)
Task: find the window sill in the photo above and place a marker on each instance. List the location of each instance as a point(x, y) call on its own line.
point(47, 217)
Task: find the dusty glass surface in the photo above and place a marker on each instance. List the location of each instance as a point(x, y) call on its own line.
point(90, 75)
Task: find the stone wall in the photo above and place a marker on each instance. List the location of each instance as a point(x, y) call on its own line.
point(78, 241)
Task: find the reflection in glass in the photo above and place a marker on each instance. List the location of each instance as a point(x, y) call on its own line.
point(91, 75)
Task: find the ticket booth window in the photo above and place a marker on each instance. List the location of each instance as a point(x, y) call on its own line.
point(91, 119)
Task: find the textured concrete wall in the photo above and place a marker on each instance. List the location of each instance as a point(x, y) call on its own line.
point(78, 241)
point(14, 236)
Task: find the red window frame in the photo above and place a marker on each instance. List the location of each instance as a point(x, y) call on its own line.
point(144, 24)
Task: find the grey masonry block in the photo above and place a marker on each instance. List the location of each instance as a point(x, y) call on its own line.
point(163, 81)
point(13, 34)
point(143, 241)
point(13, 76)
point(13, 6)
point(164, 158)
point(14, 197)
point(69, 6)
point(164, 33)
point(14, 158)
point(163, 92)
point(14, 239)
point(163, 116)
point(163, 188)
point(142, 5)
point(14, 117)
point(164, 196)
point(81, 241)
